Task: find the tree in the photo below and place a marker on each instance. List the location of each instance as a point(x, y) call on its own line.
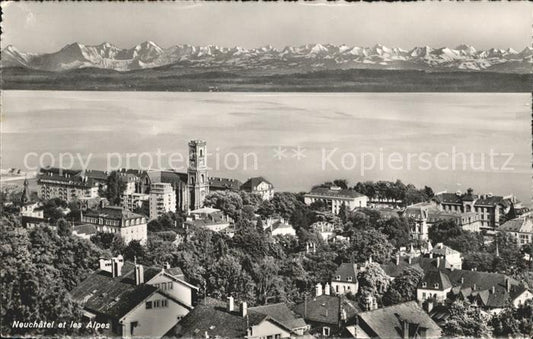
point(443, 230)
point(115, 188)
point(513, 322)
point(134, 251)
point(372, 281)
point(63, 227)
point(342, 183)
point(465, 320)
point(38, 267)
point(403, 288)
point(368, 244)
point(230, 203)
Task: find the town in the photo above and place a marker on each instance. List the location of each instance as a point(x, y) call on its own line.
point(162, 253)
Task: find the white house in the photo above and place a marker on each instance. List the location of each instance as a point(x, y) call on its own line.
point(114, 219)
point(334, 197)
point(259, 186)
point(345, 279)
point(135, 300)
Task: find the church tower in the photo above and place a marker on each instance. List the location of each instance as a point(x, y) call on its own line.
point(197, 173)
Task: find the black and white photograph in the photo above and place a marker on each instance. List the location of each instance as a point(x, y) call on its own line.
point(266, 170)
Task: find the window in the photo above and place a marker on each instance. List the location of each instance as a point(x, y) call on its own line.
point(277, 336)
point(436, 285)
point(326, 331)
point(164, 303)
point(170, 285)
point(132, 327)
point(424, 284)
point(148, 305)
point(349, 278)
point(156, 303)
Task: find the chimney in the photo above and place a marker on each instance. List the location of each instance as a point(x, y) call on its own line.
point(493, 289)
point(438, 262)
point(231, 304)
point(327, 289)
point(474, 287)
point(462, 280)
point(431, 255)
point(409, 260)
point(244, 309)
point(397, 259)
point(508, 284)
point(139, 274)
point(166, 266)
point(429, 305)
point(318, 290)
point(116, 266)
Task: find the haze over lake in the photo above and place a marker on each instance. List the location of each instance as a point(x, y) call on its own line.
point(241, 127)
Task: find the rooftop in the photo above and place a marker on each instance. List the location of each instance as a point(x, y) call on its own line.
point(346, 271)
point(522, 225)
point(334, 192)
point(326, 309)
point(387, 322)
point(252, 183)
point(212, 318)
point(112, 212)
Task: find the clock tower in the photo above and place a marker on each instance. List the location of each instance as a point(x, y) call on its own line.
point(198, 183)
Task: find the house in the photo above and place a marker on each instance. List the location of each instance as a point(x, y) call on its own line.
point(452, 259)
point(334, 197)
point(488, 207)
point(224, 184)
point(405, 320)
point(210, 218)
point(345, 279)
point(491, 291)
point(216, 319)
point(327, 314)
point(324, 229)
point(521, 229)
point(135, 300)
point(435, 285)
point(259, 186)
point(114, 219)
point(279, 226)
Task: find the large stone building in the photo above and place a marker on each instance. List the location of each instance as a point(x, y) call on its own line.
point(426, 214)
point(114, 219)
point(69, 185)
point(334, 197)
point(489, 207)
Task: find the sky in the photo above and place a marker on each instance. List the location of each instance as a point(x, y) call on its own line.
point(47, 27)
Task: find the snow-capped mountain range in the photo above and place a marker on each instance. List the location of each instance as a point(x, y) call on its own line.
point(296, 59)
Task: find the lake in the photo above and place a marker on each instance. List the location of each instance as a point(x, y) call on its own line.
point(295, 140)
